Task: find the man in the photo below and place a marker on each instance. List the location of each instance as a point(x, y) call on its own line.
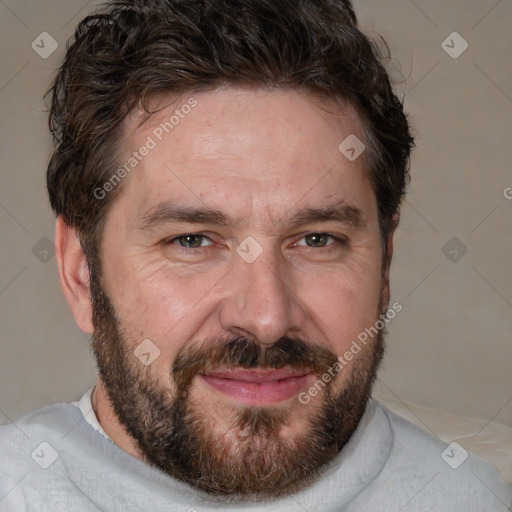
point(227, 178)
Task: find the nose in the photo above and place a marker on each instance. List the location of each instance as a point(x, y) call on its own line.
point(261, 302)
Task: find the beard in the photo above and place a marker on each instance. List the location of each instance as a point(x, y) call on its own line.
point(251, 460)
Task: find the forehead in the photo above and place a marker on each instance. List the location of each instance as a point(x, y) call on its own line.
point(234, 148)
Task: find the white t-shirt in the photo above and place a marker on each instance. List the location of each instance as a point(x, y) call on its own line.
point(85, 405)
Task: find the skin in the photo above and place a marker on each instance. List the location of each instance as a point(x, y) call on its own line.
point(259, 157)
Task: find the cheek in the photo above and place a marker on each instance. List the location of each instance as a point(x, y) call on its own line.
point(344, 302)
point(154, 301)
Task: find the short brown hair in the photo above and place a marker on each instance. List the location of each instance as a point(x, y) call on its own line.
point(131, 50)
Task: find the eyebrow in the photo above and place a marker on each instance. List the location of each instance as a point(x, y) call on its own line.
point(169, 213)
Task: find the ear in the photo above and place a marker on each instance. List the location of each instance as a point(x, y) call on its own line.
point(73, 274)
point(386, 265)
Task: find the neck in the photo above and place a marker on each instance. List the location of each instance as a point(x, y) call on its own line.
point(110, 423)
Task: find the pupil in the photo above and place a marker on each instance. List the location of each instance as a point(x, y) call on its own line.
point(317, 239)
point(193, 240)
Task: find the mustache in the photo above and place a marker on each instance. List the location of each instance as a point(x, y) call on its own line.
point(244, 353)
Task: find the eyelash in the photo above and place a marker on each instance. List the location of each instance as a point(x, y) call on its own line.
point(328, 248)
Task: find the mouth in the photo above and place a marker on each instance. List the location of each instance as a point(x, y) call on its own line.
point(258, 387)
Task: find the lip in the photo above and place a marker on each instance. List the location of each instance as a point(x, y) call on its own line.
point(258, 387)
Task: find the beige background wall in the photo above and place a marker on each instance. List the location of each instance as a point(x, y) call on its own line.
point(451, 345)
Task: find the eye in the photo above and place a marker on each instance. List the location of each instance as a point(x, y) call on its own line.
point(191, 241)
point(319, 240)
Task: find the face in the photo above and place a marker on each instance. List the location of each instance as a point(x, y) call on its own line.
point(242, 257)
